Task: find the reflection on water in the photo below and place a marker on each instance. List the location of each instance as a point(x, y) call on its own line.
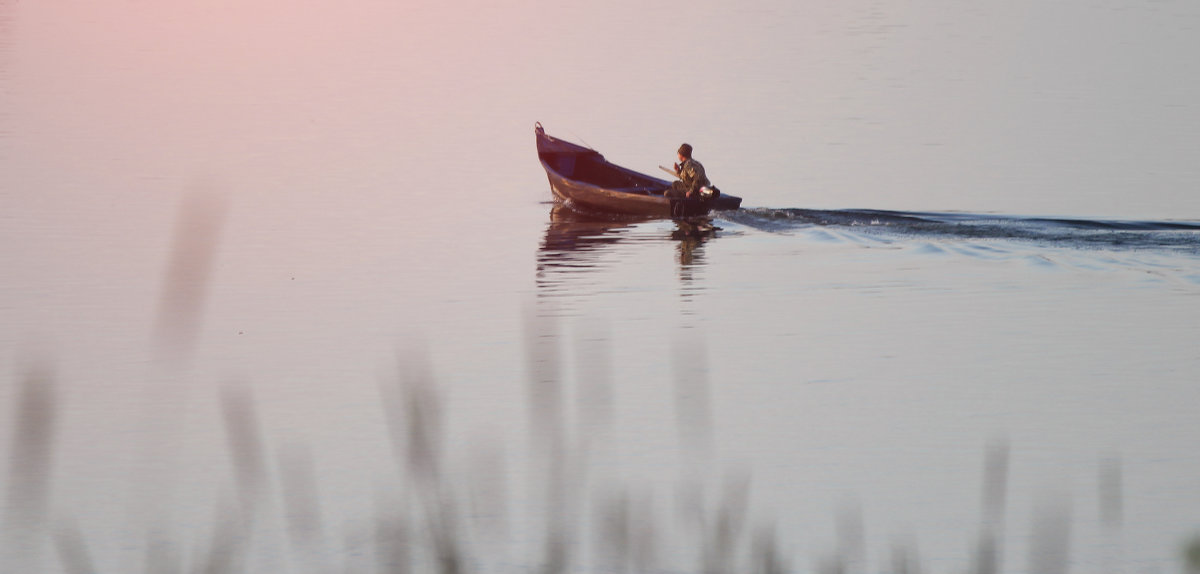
point(577, 242)
point(574, 240)
point(691, 235)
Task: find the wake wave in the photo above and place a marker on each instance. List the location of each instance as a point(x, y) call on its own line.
point(1176, 236)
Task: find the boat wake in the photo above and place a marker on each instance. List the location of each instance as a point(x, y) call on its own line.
point(1152, 252)
point(1179, 237)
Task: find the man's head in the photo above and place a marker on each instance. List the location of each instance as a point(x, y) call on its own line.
point(685, 151)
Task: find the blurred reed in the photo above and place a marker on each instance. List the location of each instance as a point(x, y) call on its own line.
point(693, 401)
point(228, 544)
point(851, 542)
point(72, 549)
point(441, 514)
point(593, 355)
point(1110, 487)
point(298, 488)
point(246, 451)
point(189, 269)
point(1191, 556)
point(1050, 545)
point(31, 451)
point(30, 470)
point(989, 548)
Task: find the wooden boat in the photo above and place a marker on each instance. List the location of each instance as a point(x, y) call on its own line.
point(582, 178)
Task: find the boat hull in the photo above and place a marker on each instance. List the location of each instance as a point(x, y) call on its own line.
point(582, 178)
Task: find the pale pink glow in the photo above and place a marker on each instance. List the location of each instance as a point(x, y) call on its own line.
point(247, 87)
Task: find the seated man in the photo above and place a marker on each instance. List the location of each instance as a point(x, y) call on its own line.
point(691, 176)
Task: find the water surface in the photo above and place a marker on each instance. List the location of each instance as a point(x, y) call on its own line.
point(244, 248)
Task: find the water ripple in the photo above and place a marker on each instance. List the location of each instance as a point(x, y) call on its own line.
point(1059, 232)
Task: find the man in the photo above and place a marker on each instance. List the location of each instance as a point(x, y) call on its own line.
point(691, 176)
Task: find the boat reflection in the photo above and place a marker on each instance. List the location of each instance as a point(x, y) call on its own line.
point(572, 236)
point(580, 243)
point(576, 242)
point(691, 235)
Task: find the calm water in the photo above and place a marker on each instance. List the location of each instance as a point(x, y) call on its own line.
point(282, 286)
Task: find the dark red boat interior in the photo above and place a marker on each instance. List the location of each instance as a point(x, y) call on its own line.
point(591, 167)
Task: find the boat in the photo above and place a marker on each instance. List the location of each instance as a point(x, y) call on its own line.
point(582, 178)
